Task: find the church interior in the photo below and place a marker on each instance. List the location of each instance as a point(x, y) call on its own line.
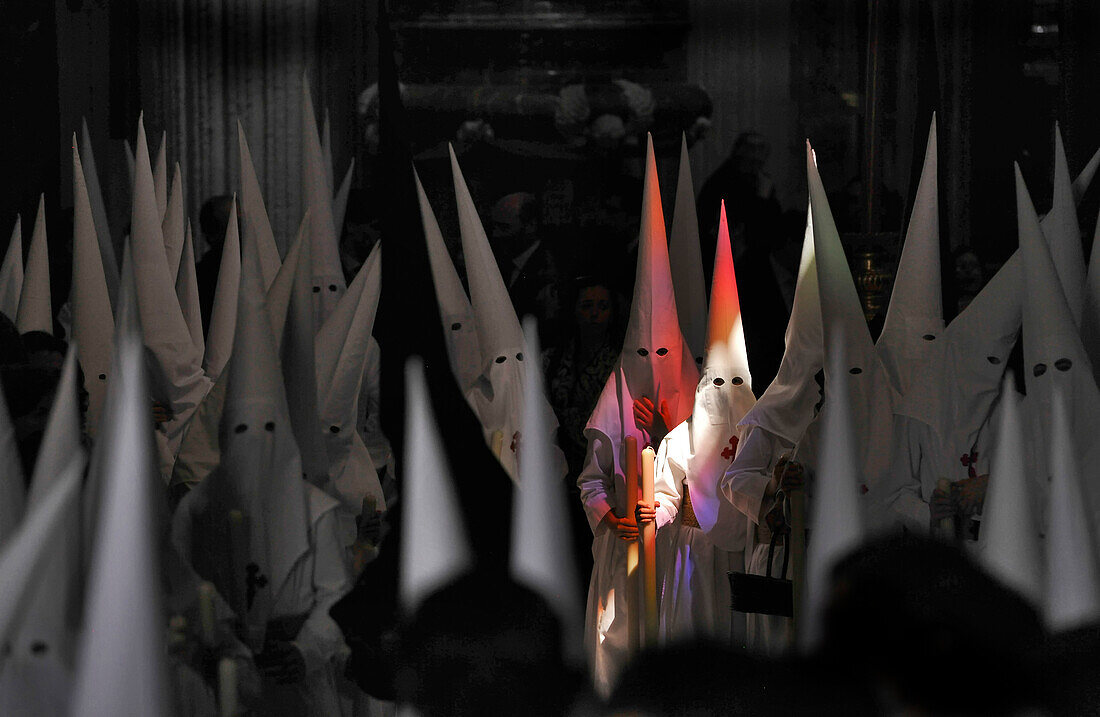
point(564, 357)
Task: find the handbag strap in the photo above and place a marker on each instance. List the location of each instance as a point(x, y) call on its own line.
point(781, 498)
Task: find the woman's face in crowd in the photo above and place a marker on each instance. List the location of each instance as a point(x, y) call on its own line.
point(593, 308)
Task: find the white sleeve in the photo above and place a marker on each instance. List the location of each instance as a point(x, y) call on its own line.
point(903, 484)
point(746, 480)
point(596, 478)
point(320, 640)
point(669, 474)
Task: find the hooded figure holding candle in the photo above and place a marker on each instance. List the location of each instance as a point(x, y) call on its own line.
point(647, 394)
point(702, 536)
point(268, 540)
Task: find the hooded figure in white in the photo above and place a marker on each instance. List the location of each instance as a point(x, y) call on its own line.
point(914, 319)
point(93, 325)
point(328, 276)
point(341, 354)
point(870, 396)
point(200, 451)
point(497, 395)
point(284, 566)
point(176, 360)
point(99, 212)
point(946, 430)
point(777, 427)
point(459, 328)
point(654, 374)
point(701, 536)
point(1054, 357)
point(39, 669)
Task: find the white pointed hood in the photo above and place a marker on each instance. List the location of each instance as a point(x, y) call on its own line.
point(278, 294)
point(93, 326)
point(260, 472)
point(12, 490)
point(61, 439)
point(1090, 317)
point(722, 398)
point(200, 452)
point(1054, 356)
point(967, 365)
point(328, 276)
point(499, 332)
point(498, 392)
point(341, 358)
point(459, 326)
point(11, 273)
point(99, 213)
point(174, 225)
point(254, 220)
point(131, 165)
point(787, 405)
point(835, 510)
point(47, 636)
point(121, 660)
point(1072, 562)
point(29, 547)
point(340, 200)
point(1084, 179)
point(870, 396)
point(326, 151)
point(35, 307)
point(914, 319)
point(686, 261)
point(165, 332)
point(1009, 543)
point(542, 557)
point(160, 175)
point(434, 545)
point(655, 361)
point(294, 335)
point(1063, 233)
point(223, 315)
point(187, 291)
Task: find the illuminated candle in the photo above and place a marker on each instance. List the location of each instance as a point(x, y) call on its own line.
point(649, 547)
point(497, 443)
point(227, 687)
point(633, 574)
point(206, 613)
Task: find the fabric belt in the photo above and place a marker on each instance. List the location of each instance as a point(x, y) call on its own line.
point(687, 512)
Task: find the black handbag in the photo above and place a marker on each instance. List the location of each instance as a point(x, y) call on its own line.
point(763, 594)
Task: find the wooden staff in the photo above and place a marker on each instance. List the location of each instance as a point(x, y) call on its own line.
point(633, 574)
point(648, 535)
point(497, 443)
point(946, 527)
point(227, 687)
point(206, 613)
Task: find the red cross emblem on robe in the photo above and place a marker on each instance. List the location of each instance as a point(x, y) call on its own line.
point(731, 449)
point(515, 442)
point(968, 460)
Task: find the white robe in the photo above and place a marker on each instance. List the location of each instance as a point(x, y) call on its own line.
point(692, 571)
point(744, 485)
point(314, 584)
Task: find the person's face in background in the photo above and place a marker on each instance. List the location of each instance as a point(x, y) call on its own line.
point(592, 312)
point(968, 273)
